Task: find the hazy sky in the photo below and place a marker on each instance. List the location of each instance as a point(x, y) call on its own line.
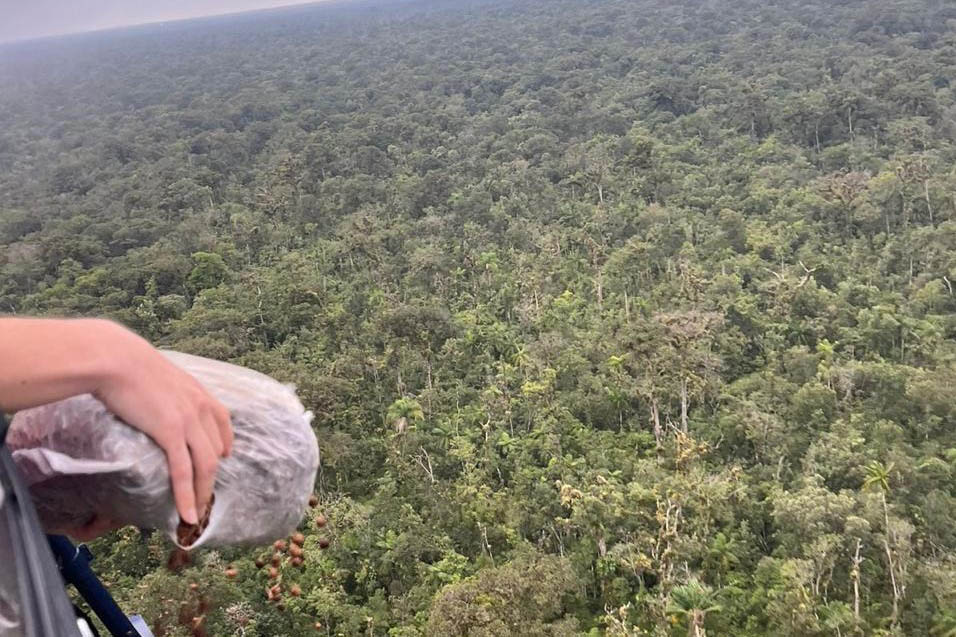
point(20, 19)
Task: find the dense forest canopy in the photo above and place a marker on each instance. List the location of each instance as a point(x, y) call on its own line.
point(618, 317)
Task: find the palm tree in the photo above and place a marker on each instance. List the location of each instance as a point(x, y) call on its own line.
point(722, 555)
point(403, 412)
point(878, 477)
point(693, 600)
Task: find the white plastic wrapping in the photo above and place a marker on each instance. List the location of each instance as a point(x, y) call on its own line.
point(79, 461)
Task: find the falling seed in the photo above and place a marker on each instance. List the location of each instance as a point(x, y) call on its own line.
point(260, 562)
point(231, 573)
point(321, 520)
point(273, 572)
point(295, 591)
point(297, 561)
point(194, 586)
point(276, 560)
point(313, 501)
point(324, 543)
point(298, 538)
point(280, 545)
point(296, 551)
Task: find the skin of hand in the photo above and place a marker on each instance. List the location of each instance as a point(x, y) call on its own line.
point(45, 360)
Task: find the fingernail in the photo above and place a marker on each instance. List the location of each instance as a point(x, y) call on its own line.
point(191, 516)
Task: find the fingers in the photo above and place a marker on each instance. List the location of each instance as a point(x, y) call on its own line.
point(220, 427)
point(193, 451)
point(214, 413)
point(207, 420)
point(224, 423)
point(205, 460)
point(181, 475)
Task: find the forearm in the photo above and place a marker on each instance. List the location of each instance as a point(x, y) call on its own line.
point(45, 360)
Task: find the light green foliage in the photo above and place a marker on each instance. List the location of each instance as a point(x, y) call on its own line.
point(210, 270)
point(524, 597)
point(610, 312)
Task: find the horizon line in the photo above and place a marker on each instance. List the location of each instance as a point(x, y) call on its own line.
point(133, 25)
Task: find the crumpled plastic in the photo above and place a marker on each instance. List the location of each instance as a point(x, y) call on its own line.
point(80, 461)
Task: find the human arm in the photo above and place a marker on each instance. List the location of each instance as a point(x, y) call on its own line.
point(45, 360)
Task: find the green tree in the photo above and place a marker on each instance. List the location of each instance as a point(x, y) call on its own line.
point(693, 601)
point(878, 479)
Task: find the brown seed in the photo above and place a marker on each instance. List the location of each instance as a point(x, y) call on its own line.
point(298, 538)
point(178, 559)
point(276, 560)
point(280, 606)
point(297, 561)
point(295, 591)
point(295, 551)
point(321, 520)
point(231, 573)
point(186, 534)
point(324, 543)
point(280, 545)
point(273, 572)
point(194, 586)
point(313, 501)
point(318, 625)
point(260, 562)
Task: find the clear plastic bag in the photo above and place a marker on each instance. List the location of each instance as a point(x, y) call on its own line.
point(79, 461)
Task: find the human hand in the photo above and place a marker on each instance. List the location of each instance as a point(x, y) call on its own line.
point(147, 392)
